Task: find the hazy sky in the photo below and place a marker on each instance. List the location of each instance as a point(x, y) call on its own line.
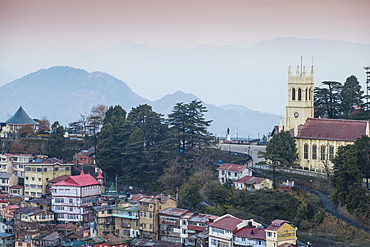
point(97, 24)
point(37, 34)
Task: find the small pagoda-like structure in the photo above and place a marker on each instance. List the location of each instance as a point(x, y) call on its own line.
point(11, 127)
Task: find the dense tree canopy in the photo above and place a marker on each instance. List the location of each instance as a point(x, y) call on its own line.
point(347, 180)
point(56, 142)
point(142, 148)
point(336, 100)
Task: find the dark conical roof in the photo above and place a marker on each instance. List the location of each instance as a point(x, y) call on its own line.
point(20, 117)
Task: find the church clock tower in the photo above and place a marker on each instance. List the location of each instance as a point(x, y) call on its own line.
point(300, 98)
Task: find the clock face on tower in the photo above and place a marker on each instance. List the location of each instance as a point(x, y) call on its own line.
point(296, 114)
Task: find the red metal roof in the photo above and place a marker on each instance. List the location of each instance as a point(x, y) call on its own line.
point(251, 232)
point(79, 181)
point(332, 129)
point(228, 222)
point(232, 167)
point(276, 224)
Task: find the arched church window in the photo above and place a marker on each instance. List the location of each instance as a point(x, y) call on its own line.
point(314, 152)
point(305, 151)
point(309, 94)
point(331, 152)
point(323, 152)
point(299, 94)
point(293, 94)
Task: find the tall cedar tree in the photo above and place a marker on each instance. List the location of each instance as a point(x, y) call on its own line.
point(56, 141)
point(112, 141)
point(188, 127)
point(363, 148)
point(347, 180)
point(328, 99)
point(282, 151)
point(351, 95)
point(153, 132)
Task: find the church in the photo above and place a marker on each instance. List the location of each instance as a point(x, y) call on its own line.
point(317, 139)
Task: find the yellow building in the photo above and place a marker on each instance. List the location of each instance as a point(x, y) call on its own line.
point(280, 232)
point(317, 139)
point(149, 214)
point(38, 172)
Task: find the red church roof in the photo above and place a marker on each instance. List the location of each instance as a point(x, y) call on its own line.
point(332, 129)
point(100, 175)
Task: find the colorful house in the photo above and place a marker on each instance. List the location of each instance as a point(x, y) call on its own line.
point(73, 198)
point(280, 232)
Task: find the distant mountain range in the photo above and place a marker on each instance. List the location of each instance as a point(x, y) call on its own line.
point(254, 76)
point(64, 93)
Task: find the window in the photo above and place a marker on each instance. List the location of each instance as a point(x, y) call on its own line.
point(305, 151)
point(26, 178)
point(33, 179)
point(293, 94)
point(235, 174)
point(331, 152)
point(39, 169)
point(67, 168)
point(70, 200)
point(306, 94)
point(45, 169)
point(299, 94)
point(28, 169)
point(269, 234)
point(56, 169)
point(323, 152)
point(314, 152)
point(20, 166)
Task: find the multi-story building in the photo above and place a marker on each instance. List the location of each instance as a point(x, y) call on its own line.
point(7, 180)
point(6, 240)
point(232, 172)
point(39, 172)
point(171, 227)
point(280, 232)
point(14, 163)
point(104, 220)
point(149, 209)
point(126, 215)
point(30, 222)
point(73, 198)
point(221, 231)
point(195, 227)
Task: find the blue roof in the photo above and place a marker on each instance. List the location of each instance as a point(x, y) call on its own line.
point(20, 117)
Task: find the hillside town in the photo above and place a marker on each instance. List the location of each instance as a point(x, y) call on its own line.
point(46, 201)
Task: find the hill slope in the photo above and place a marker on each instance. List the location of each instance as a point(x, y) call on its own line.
point(64, 93)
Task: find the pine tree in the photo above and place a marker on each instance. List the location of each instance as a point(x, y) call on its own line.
point(188, 127)
point(281, 151)
point(328, 99)
point(56, 141)
point(347, 180)
point(351, 95)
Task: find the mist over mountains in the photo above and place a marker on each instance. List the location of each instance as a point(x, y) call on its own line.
point(254, 76)
point(227, 76)
point(64, 93)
